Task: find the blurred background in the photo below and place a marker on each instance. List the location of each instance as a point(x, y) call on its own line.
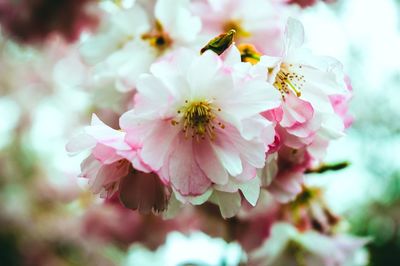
point(48, 218)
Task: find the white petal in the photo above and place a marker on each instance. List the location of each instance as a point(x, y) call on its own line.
point(294, 34)
point(195, 200)
point(158, 143)
point(229, 203)
point(251, 190)
point(201, 74)
point(80, 143)
point(228, 156)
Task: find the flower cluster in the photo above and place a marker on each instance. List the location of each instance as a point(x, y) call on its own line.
point(215, 126)
point(220, 103)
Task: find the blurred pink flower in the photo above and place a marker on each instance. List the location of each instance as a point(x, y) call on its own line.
point(307, 3)
point(288, 246)
point(303, 3)
point(110, 222)
point(340, 104)
point(257, 22)
point(33, 21)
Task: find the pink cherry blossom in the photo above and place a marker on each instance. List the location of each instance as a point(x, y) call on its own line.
point(198, 124)
point(107, 163)
point(306, 83)
point(129, 40)
point(283, 174)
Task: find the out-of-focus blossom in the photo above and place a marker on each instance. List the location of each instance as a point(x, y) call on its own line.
point(288, 246)
point(131, 39)
point(307, 3)
point(341, 103)
point(120, 54)
point(303, 3)
point(258, 22)
point(112, 223)
point(306, 212)
point(310, 212)
point(33, 21)
point(218, 251)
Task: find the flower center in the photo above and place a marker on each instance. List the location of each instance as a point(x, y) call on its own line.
point(198, 119)
point(158, 38)
point(287, 80)
point(236, 25)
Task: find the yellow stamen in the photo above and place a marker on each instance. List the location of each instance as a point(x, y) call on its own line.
point(287, 80)
point(198, 119)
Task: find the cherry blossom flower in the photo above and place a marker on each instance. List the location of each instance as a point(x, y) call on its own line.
point(305, 82)
point(116, 43)
point(313, 90)
point(113, 168)
point(285, 170)
point(107, 163)
point(131, 39)
point(204, 122)
point(283, 174)
point(175, 25)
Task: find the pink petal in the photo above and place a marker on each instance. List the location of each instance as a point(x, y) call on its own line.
point(109, 173)
point(227, 155)
point(184, 172)
point(158, 143)
point(105, 155)
point(90, 167)
point(295, 110)
point(209, 163)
